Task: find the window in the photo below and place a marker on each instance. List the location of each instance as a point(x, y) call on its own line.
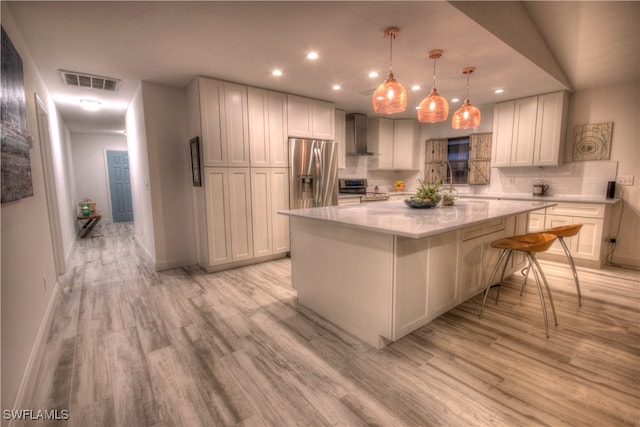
point(458, 157)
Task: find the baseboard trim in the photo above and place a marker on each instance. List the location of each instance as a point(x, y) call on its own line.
point(35, 357)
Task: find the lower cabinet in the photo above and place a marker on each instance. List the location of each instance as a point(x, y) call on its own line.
point(228, 211)
point(269, 194)
point(241, 207)
point(587, 247)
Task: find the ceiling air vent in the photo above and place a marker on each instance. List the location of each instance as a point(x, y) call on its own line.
point(72, 78)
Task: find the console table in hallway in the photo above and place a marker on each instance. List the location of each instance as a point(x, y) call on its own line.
point(88, 223)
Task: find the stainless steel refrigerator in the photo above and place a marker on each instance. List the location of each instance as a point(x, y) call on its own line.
point(313, 173)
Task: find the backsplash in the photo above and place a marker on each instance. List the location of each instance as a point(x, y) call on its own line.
point(570, 179)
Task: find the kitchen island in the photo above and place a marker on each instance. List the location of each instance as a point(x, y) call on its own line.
point(380, 270)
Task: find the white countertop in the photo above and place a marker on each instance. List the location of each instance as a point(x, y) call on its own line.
point(551, 198)
point(394, 217)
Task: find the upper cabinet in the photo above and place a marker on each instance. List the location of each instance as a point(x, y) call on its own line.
point(223, 123)
point(529, 131)
point(395, 143)
point(340, 137)
point(310, 118)
point(267, 128)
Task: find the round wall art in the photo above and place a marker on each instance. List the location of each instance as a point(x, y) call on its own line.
point(592, 142)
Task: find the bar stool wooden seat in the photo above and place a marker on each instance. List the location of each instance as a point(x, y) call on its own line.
point(561, 232)
point(529, 244)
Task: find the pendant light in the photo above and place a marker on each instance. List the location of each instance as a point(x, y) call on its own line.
point(391, 96)
point(467, 116)
point(433, 108)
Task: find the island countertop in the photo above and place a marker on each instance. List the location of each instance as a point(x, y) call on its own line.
point(394, 217)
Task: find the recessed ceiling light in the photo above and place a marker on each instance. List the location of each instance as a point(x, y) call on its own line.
point(336, 87)
point(415, 87)
point(277, 73)
point(373, 74)
point(90, 104)
point(312, 55)
point(455, 99)
point(498, 91)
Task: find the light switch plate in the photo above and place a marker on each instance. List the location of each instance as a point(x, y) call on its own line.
point(625, 180)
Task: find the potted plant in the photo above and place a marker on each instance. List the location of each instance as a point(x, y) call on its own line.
point(427, 195)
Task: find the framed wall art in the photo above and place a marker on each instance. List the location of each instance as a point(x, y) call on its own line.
point(592, 142)
point(196, 174)
point(16, 162)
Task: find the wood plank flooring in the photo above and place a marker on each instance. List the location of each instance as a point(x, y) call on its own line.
point(132, 347)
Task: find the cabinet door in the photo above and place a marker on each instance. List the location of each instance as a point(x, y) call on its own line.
point(218, 215)
point(240, 213)
point(558, 221)
point(299, 116)
point(536, 222)
point(340, 137)
point(502, 134)
point(443, 292)
point(267, 128)
point(524, 131)
point(258, 104)
point(323, 120)
point(278, 147)
point(470, 271)
point(237, 124)
point(261, 212)
point(550, 129)
point(212, 116)
point(404, 142)
point(588, 242)
point(280, 201)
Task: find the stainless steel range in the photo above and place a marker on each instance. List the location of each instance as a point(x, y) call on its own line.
point(359, 186)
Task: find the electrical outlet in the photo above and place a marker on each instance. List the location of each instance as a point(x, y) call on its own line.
point(624, 179)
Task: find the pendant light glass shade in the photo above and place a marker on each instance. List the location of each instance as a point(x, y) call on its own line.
point(467, 116)
point(391, 96)
point(433, 108)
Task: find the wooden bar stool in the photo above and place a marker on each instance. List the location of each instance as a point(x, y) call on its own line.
point(561, 232)
point(530, 244)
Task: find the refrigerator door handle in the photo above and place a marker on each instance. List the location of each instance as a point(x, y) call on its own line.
point(319, 180)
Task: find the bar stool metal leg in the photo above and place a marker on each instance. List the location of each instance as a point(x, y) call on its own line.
point(493, 275)
point(573, 268)
point(546, 285)
point(541, 295)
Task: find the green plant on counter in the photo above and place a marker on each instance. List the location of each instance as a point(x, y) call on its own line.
point(427, 191)
point(448, 199)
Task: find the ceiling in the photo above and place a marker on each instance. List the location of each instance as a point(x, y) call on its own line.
point(527, 48)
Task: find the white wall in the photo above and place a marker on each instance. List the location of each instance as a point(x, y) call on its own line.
point(27, 254)
point(90, 167)
point(139, 174)
point(170, 175)
point(619, 104)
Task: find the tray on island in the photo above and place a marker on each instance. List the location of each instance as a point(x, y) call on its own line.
point(420, 205)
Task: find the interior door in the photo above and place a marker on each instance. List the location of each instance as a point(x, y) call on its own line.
point(120, 186)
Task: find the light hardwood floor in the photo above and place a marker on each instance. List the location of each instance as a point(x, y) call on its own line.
point(132, 347)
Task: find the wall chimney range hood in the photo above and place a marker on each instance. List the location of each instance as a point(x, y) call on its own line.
point(356, 135)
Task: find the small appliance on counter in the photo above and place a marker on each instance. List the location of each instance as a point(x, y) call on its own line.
point(359, 186)
point(540, 189)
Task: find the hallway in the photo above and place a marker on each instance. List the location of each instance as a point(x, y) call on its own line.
point(132, 347)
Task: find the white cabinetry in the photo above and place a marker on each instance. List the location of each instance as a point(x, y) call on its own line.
point(269, 193)
point(477, 257)
point(395, 142)
point(310, 118)
point(267, 128)
point(223, 122)
point(587, 247)
point(529, 131)
point(340, 137)
point(228, 212)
